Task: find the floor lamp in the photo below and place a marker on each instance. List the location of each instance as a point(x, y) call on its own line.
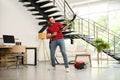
point(42, 37)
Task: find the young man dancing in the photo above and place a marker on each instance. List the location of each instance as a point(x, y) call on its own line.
point(54, 33)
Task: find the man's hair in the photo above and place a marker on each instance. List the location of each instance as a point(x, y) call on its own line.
point(49, 18)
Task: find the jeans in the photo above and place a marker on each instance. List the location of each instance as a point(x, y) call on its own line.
point(53, 46)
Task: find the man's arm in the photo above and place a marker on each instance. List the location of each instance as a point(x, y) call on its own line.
point(51, 35)
point(66, 27)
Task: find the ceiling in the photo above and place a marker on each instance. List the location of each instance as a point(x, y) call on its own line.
point(78, 2)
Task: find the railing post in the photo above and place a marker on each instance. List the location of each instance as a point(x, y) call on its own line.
point(88, 28)
point(79, 25)
point(108, 42)
point(108, 36)
point(114, 45)
point(82, 26)
point(53, 2)
point(64, 10)
point(94, 29)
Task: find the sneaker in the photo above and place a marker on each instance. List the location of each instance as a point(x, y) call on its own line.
point(67, 70)
point(52, 68)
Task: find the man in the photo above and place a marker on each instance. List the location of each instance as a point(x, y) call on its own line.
point(54, 33)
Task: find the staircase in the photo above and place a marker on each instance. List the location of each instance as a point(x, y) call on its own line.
point(44, 9)
point(84, 29)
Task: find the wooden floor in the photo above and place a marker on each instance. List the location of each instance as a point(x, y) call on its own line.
point(105, 71)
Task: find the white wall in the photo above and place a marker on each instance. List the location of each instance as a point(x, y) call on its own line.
point(16, 20)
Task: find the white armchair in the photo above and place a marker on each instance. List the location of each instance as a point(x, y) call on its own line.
point(82, 51)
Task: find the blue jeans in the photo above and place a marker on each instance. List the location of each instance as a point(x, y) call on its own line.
point(53, 46)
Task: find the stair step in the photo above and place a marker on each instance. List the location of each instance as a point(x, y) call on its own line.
point(117, 57)
point(72, 36)
point(27, 0)
point(41, 18)
point(43, 3)
point(111, 54)
point(76, 37)
point(60, 20)
point(47, 8)
point(107, 51)
point(32, 10)
point(28, 5)
point(43, 28)
point(23, 0)
point(42, 23)
point(36, 14)
point(57, 16)
point(66, 32)
point(51, 12)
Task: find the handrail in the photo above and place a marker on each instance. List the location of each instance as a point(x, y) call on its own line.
point(69, 7)
point(104, 27)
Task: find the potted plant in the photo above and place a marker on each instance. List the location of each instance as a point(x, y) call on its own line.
point(100, 45)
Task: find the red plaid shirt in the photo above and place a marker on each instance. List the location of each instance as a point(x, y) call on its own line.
point(55, 28)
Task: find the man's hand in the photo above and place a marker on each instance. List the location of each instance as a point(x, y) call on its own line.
point(66, 27)
point(48, 36)
point(68, 24)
